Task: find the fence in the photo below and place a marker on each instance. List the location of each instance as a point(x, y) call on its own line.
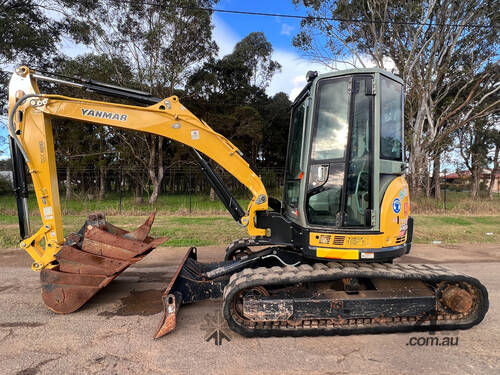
point(120, 182)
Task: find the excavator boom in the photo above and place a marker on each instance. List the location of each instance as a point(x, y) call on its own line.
point(30, 114)
point(75, 268)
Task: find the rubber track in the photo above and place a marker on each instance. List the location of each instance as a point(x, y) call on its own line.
point(264, 276)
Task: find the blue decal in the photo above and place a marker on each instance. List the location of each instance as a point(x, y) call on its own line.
point(396, 205)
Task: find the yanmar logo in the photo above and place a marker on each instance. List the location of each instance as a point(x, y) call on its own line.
point(104, 114)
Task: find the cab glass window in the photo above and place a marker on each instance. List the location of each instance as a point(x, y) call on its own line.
point(391, 121)
point(292, 184)
point(295, 147)
point(332, 121)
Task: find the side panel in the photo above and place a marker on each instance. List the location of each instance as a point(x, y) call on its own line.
point(394, 212)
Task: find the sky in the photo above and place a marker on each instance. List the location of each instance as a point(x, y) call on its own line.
point(231, 28)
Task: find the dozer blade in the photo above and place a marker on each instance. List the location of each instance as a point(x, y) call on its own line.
point(188, 285)
point(172, 301)
point(90, 259)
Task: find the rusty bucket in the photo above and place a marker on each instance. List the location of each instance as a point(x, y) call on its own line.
point(90, 259)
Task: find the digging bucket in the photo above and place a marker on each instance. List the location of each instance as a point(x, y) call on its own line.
point(90, 259)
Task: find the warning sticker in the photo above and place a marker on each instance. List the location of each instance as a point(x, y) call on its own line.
point(47, 212)
point(195, 135)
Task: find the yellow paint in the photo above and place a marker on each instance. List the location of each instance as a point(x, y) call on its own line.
point(168, 118)
point(361, 241)
point(337, 253)
point(391, 233)
point(388, 225)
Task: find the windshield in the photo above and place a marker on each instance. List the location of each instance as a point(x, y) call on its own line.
point(332, 121)
point(295, 145)
point(391, 134)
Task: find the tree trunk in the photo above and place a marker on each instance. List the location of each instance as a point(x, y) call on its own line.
point(154, 196)
point(493, 172)
point(427, 179)
point(102, 173)
point(427, 184)
point(436, 177)
point(68, 183)
point(108, 184)
point(475, 180)
point(156, 174)
point(139, 199)
point(417, 153)
point(83, 185)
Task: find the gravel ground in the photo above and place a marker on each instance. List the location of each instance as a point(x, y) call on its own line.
point(113, 333)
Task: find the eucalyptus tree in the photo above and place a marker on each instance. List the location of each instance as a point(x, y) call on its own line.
point(29, 37)
point(162, 41)
point(437, 47)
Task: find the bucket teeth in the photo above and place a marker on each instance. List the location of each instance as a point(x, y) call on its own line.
point(91, 259)
point(141, 233)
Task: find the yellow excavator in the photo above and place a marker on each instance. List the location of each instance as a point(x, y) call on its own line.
point(319, 262)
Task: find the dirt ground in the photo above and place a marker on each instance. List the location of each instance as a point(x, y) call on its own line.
point(112, 334)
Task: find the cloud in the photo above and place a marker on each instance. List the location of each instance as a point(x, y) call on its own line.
point(286, 29)
point(292, 78)
point(225, 36)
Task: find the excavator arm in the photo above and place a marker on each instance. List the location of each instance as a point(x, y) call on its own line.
point(30, 128)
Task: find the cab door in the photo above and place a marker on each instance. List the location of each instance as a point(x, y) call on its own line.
point(339, 179)
point(357, 202)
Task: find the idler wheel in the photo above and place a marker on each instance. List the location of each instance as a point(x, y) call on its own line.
point(457, 299)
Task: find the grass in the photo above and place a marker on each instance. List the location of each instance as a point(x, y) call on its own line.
point(457, 203)
point(183, 231)
point(167, 203)
point(456, 229)
point(465, 220)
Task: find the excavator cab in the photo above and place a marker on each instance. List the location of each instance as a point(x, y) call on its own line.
point(344, 194)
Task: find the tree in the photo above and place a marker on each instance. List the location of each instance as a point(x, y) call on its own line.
point(29, 37)
point(229, 93)
point(163, 42)
point(255, 52)
point(433, 48)
point(27, 34)
point(496, 161)
point(276, 116)
point(476, 140)
point(95, 144)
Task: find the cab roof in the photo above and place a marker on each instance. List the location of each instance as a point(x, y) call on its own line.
point(346, 72)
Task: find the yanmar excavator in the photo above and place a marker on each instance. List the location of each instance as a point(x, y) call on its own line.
point(317, 263)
